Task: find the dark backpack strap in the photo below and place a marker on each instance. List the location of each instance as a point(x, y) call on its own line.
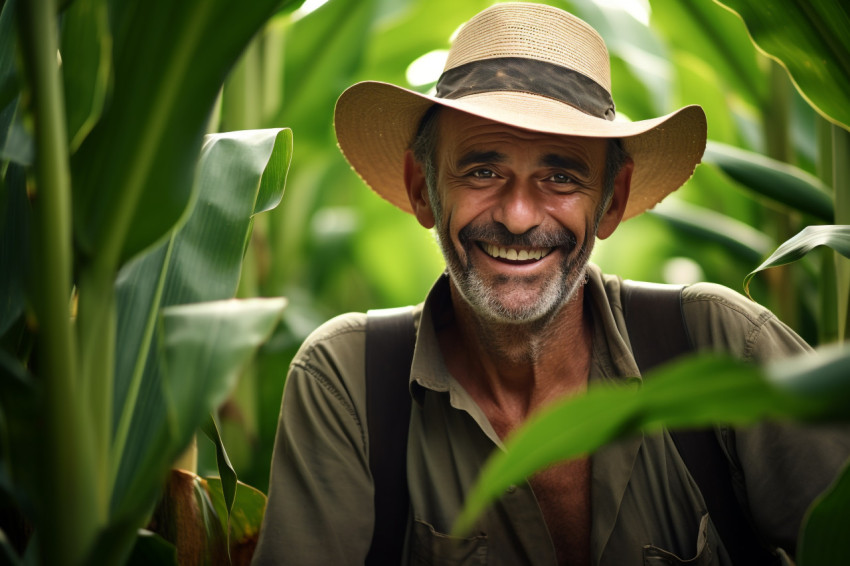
point(658, 333)
point(390, 339)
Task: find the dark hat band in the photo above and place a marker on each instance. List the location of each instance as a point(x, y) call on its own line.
point(519, 74)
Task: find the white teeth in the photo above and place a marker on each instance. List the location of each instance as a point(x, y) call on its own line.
point(514, 255)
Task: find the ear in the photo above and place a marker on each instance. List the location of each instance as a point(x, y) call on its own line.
point(617, 207)
point(417, 190)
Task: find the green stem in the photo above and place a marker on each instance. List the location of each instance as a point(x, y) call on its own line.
point(841, 188)
point(96, 323)
point(778, 145)
point(827, 292)
point(67, 524)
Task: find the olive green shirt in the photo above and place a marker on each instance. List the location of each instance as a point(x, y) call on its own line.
point(646, 509)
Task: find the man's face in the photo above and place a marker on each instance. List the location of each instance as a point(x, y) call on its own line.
point(516, 214)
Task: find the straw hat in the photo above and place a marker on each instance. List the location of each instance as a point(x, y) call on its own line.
point(533, 67)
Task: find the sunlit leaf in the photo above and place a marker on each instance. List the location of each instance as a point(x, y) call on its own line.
point(783, 183)
point(810, 40)
point(835, 237)
point(205, 346)
point(239, 174)
point(323, 51)
point(719, 38)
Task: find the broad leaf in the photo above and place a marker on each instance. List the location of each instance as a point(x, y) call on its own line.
point(240, 173)
point(719, 38)
point(323, 49)
point(86, 60)
point(835, 237)
point(243, 523)
point(823, 538)
point(696, 391)
point(778, 181)
point(809, 39)
point(204, 348)
point(738, 238)
point(130, 190)
point(225, 468)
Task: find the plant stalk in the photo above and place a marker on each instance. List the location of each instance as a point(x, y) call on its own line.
point(778, 146)
point(841, 188)
point(67, 526)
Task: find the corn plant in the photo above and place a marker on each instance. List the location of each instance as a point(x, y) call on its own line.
point(122, 232)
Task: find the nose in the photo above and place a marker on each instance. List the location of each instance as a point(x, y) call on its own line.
point(518, 209)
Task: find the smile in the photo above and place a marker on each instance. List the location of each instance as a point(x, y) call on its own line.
point(512, 254)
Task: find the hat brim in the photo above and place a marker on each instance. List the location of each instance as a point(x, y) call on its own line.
point(375, 123)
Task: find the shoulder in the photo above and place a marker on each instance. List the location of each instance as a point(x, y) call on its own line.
point(721, 319)
point(329, 367)
point(344, 335)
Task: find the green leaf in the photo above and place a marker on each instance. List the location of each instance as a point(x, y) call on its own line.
point(244, 521)
point(323, 50)
point(86, 64)
point(239, 174)
point(130, 190)
point(205, 346)
point(780, 182)
point(822, 374)
point(225, 468)
point(720, 40)
point(810, 40)
point(823, 537)
point(740, 239)
point(696, 391)
point(835, 237)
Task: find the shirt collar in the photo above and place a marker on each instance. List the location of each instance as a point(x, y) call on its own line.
point(612, 356)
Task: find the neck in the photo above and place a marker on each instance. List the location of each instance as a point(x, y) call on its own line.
point(515, 368)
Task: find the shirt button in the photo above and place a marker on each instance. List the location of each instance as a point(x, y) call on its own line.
point(511, 489)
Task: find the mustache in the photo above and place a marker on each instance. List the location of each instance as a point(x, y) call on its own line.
point(534, 238)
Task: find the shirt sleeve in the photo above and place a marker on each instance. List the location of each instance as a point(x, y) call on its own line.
point(782, 467)
point(320, 505)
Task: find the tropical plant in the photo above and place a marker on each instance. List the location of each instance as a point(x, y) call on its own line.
point(120, 237)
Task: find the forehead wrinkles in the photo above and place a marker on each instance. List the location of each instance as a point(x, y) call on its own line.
point(462, 135)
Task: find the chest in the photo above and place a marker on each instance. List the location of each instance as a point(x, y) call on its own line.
point(563, 494)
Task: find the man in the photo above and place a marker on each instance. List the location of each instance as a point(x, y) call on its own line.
point(518, 165)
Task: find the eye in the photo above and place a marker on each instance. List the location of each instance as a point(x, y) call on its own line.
point(482, 173)
point(561, 178)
